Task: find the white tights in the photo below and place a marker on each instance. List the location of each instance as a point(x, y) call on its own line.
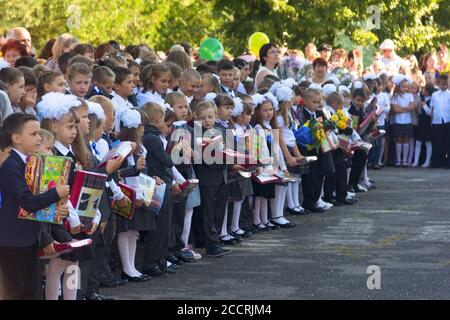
point(56, 268)
point(126, 241)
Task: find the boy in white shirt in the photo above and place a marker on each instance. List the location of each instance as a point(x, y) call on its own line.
point(440, 122)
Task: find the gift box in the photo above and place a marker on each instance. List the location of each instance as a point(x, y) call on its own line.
point(85, 195)
point(41, 174)
point(147, 186)
point(157, 198)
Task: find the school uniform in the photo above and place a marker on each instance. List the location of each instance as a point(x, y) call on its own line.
point(19, 239)
point(338, 181)
point(360, 157)
point(96, 91)
point(440, 110)
point(149, 96)
point(212, 179)
point(160, 164)
point(312, 181)
point(228, 91)
point(402, 121)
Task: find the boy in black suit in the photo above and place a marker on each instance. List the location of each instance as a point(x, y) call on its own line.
point(312, 181)
point(211, 178)
point(19, 239)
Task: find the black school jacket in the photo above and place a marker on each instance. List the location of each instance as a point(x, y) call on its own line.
point(158, 161)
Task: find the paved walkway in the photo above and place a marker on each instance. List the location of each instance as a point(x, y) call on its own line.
point(403, 227)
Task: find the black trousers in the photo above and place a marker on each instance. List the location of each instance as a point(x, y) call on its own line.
point(157, 241)
point(246, 217)
point(18, 271)
point(197, 234)
point(312, 185)
point(358, 162)
point(337, 181)
point(177, 227)
point(213, 210)
point(90, 268)
point(441, 144)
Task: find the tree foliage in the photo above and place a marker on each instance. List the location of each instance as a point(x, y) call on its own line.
point(415, 25)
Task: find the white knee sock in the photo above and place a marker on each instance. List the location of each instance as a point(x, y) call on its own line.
point(429, 152)
point(398, 154)
point(380, 158)
point(417, 152)
point(257, 211)
point(132, 244)
point(187, 225)
point(70, 281)
point(55, 270)
point(277, 204)
point(290, 196)
point(411, 150)
point(124, 251)
point(264, 211)
point(405, 152)
point(224, 231)
point(296, 193)
point(237, 205)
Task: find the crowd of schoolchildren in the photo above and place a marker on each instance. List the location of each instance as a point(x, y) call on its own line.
point(78, 101)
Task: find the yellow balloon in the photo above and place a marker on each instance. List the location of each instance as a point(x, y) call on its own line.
point(256, 41)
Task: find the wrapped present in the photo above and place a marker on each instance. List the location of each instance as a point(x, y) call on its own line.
point(62, 248)
point(122, 149)
point(188, 185)
point(158, 198)
point(126, 212)
point(354, 121)
point(42, 173)
point(85, 195)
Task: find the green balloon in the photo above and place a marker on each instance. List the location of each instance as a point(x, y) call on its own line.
point(211, 49)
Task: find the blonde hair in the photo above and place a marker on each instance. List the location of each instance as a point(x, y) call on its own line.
point(46, 135)
point(173, 97)
point(64, 41)
point(150, 111)
point(285, 109)
point(106, 103)
point(203, 106)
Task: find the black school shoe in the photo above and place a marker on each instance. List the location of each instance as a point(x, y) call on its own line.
point(154, 272)
point(172, 259)
point(217, 252)
point(135, 279)
point(281, 225)
point(316, 209)
point(112, 282)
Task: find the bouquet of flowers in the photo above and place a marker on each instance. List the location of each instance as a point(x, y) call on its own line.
point(311, 134)
point(340, 120)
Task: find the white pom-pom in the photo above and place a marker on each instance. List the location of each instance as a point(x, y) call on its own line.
point(138, 60)
point(130, 118)
point(238, 107)
point(289, 82)
point(335, 80)
point(343, 89)
point(358, 84)
point(398, 79)
point(167, 106)
point(257, 99)
point(328, 88)
point(315, 86)
point(275, 87)
point(284, 94)
point(210, 96)
point(369, 76)
point(95, 108)
point(272, 99)
point(55, 105)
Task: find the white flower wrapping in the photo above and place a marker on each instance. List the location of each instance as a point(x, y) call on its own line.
point(54, 105)
point(131, 118)
point(96, 108)
point(238, 107)
point(358, 84)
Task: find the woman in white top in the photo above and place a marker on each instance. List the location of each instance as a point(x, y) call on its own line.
point(402, 104)
point(270, 57)
point(321, 74)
